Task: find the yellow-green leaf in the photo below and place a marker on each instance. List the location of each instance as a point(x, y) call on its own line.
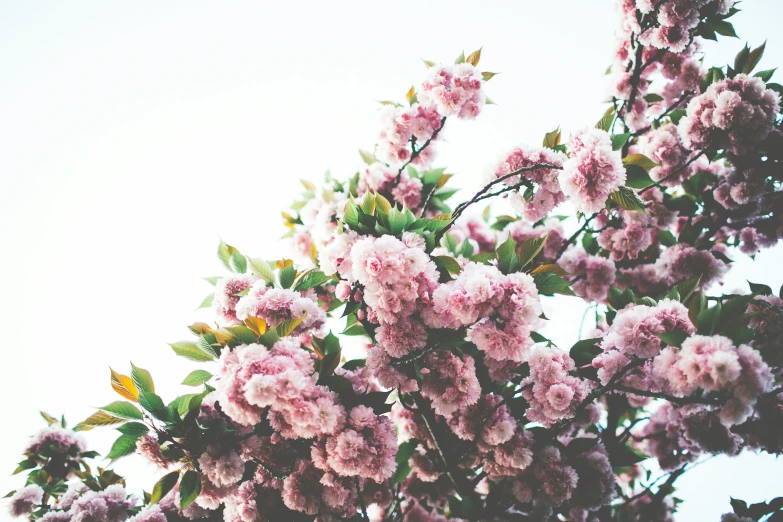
point(123, 385)
point(474, 57)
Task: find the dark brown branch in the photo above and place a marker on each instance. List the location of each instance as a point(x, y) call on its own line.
point(416, 152)
point(485, 192)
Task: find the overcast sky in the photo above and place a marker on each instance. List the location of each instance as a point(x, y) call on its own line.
point(134, 135)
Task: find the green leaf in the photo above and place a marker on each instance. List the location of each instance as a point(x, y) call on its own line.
point(189, 488)
point(550, 284)
point(627, 456)
point(351, 216)
point(242, 333)
point(741, 59)
point(262, 269)
point(224, 253)
point(269, 338)
point(652, 98)
point(136, 429)
point(508, 261)
point(707, 320)
point(238, 263)
point(397, 221)
point(583, 352)
point(286, 276)
point(724, 28)
point(776, 87)
point(100, 418)
point(164, 486)
point(687, 287)
point(641, 160)
point(213, 280)
point(552, 139)
point(754, 57)
point(605, 123)
point(207, 302)
point(153, 404)
point(124, 445)
point(331, 344)
point(142, 379)
point(627, 199)
point(124, 410)
point(355, 329)
point(530, 250)
point(666, 238)
point(367, 157)
point(460, 58)
point(637, 177)
point(676, 115)
point(404, 452)
point(190, 350)
point(311, 279)
point(286, 327)
point(760, 289)
point(353, 364)
point(674, 338)
point(197, 378)
point(766, 75)
point(619, 140)
point(447, 263)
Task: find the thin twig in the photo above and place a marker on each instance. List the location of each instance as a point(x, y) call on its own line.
point(418, 151)
point(485, 192)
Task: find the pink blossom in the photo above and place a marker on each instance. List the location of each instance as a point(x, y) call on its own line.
point(547, 194)
point(592, 171)
point(455, 90)
point(26, 500)
point(735, 113)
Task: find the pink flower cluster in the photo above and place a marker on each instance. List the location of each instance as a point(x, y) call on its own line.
point(455, 90)
point(315, 492)
point(450, 382)
point(26, 500)
point(382, 179)
point(498, 309)
point(395, 274)
point(713, 364)
point(735, 113)
point(554, 394)
point(593, 275)
point(226, 298)
point(634, 333)
point(632, 238)
point(366, 447)
point(592, 171)
point(148, 446)
point(253, 378)
point(78, 504)
point(400, 126)
point(663, 145)
point(487, 422)
point(547, 194)
point(55, 440)
point(681, 261)
point(275, 305)
point(676, 19)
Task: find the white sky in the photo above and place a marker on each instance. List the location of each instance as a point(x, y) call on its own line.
point(135, 134)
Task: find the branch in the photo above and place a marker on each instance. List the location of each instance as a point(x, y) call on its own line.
point(573, 237)
point(361, 499)
point(674, 173)
point(676, 400)
point(416, 152)
point(485, 193)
